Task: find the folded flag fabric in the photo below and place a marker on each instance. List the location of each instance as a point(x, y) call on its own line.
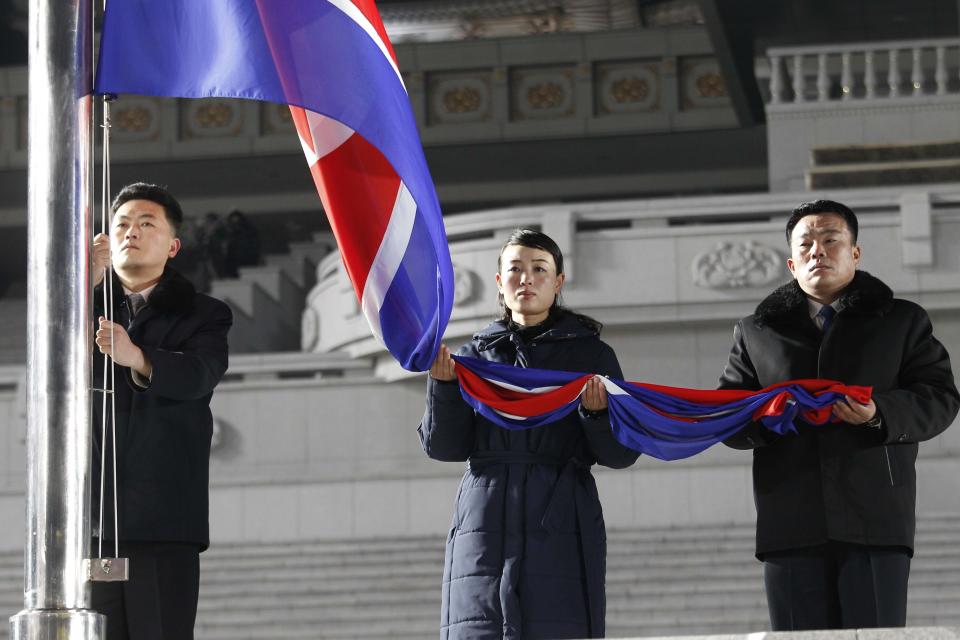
point(332, 62)
point(668, 423)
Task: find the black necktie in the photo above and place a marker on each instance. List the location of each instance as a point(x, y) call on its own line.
point(135, 302)
point(826, 312)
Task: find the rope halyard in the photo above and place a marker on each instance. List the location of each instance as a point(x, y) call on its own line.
point(114, 568)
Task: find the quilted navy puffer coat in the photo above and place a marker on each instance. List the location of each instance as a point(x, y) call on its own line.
point(526, 554)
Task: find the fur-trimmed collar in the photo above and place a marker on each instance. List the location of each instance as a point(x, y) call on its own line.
point(173, 293)
point(865, 294)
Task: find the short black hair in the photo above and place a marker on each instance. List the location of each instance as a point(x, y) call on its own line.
point(823, 206)
point(153, 193)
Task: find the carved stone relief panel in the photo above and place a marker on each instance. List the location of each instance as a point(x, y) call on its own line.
point(211, 118)
point(309, 329)
point(542, 93)
point(737, 264)
point(275, 119)
point(466, 286)
point(702, 84)
point(135, 119)
point(459, 97)
point(627, 87)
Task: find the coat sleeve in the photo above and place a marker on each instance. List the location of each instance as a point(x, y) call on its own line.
point(604, 446)
point(739, 373)
point(926, 401)
point(194, 368)
point(448, 429)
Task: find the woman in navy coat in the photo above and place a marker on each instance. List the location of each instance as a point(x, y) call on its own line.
point(526, 554)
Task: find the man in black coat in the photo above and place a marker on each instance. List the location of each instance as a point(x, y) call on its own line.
point(836, 503)
point(169, 346)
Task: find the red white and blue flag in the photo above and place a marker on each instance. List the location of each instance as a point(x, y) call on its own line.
point(668, 423)
point(332, 62)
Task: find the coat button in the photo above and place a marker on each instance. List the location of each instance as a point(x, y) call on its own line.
point(902, 437)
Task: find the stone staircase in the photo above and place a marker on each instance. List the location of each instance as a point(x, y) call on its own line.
point(660, 582)
point(268, 300)
point(840, 167)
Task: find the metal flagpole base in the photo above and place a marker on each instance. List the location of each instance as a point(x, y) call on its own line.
point(45, 624)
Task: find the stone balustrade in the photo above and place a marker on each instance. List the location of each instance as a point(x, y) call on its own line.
point(902, 93)
point(644, 262)
point(863, 71)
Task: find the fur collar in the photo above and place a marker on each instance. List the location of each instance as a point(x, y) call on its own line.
point(173, 294)
point(865, 294)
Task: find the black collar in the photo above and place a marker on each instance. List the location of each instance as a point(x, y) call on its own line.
point(865, 294)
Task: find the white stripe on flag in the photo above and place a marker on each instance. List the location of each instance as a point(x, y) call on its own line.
point(611, 387)
point(513, 387)
point(388, 258)
point(357, 16)
point(327, 135)
point(509, 416)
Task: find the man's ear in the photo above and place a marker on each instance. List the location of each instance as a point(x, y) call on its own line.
point(174, 248)
point(793, 267)
point(856, 254)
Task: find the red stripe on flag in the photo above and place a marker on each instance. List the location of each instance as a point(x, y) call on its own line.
point(518, 403)
point(724, 396)
point(358, 188)
point(300, 121)
point(369, 10)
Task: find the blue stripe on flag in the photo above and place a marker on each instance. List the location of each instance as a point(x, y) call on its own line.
point(411, 312)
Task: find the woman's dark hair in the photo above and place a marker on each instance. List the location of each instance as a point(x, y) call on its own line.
point(539, 240)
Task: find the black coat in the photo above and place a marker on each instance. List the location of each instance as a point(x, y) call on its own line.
point(164, 430)
point(526, 555)
point(839, 481)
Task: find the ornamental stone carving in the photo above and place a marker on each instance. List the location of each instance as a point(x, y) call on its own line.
point(456, 98)
point(132, 119)
point(466, 286)
point(226, 443)
point(542, 93)
point(631, 89)
point(628, 87)
point(461, 100)
point(546, 95)
point(276, 119)
point(212, 118)
point(702, 83)
point(309, 329)
point(711, 85)
point(135, 119)
point(735, 265)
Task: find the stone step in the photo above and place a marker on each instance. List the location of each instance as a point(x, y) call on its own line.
point(300, 270)
point(877, 174)
point(312, 250)
point(282, 630)
point(895, 152)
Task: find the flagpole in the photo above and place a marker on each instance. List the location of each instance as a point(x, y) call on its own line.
point(56, 591)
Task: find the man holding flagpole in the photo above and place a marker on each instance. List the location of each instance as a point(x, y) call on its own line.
point(169, 349)
point(836, 502)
